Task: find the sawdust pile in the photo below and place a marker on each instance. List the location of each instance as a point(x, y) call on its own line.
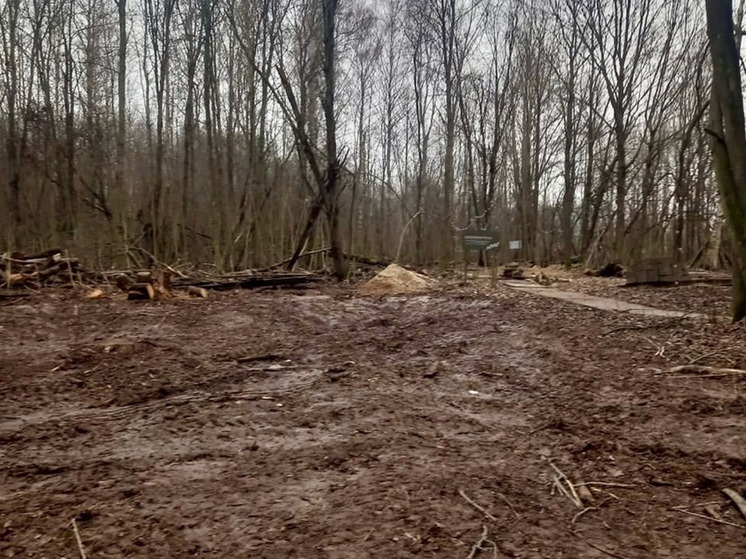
point(395, 280)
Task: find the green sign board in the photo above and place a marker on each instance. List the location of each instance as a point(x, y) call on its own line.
point(480, 240)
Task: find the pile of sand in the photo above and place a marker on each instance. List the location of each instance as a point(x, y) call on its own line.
point(395, 280)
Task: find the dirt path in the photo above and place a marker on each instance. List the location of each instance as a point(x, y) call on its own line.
point(324, 425)
point(602, 303)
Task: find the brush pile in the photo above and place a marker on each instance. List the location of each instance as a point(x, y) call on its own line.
point(37, 270)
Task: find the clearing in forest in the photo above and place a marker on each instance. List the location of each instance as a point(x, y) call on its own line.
point(469, 422)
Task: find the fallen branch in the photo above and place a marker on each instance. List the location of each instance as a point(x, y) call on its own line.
point(77, 538)
point(721, 375)
point(704, 370)
point(302, 255)
point(476, 506)
point(711, 519)
point(161, 263)
point(253, 282)
point(705, 356)
point(738, 499)
point(573, 495)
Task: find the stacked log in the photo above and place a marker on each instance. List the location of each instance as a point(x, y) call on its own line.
point(49, 267)
point(52, 268)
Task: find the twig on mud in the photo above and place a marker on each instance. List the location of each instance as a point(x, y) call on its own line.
point(477, 547)
point(705, 356)
point(737, 499)
point(77, 538)
point(690, 513)
point(598, 547)
point(476, 506)
point(505, 499)
point(659, 349)
point(712, 511)
point(559, 478)
point(557, 483)
point(588, 509)
point(606, 484)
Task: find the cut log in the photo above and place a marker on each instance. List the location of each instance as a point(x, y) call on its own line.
point(95, 294)
point(164, 279)
point(144, 277)
point(53, 254)
point(141, 292)
point(161, 293)
point(254, 281)
point(49, 272)
point(73, 263)
point(367, 261)
point(199, 292)
point(15, 280)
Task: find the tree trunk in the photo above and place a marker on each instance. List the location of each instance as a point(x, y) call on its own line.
point(121, 96)
point(331, 194)
point(729, 138)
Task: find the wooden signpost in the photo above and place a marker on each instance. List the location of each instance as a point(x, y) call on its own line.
point(478, 240)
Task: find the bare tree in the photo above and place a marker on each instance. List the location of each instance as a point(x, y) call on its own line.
point(620, 33)
point(158, 18)
point(728, 130)
point(573, 125)
point(9, 20)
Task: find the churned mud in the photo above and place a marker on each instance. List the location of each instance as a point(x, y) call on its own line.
point(321, 423)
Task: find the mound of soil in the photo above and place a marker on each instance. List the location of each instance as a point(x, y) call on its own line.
point(395, 280)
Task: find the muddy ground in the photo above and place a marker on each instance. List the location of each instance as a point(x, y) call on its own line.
point(322, 424)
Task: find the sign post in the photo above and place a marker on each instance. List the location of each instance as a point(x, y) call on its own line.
point(478, 240)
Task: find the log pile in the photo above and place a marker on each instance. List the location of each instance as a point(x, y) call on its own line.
point(162, 285)
point(47, 268)
point(52, 268)
point(652, 271)
point(251, 280)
